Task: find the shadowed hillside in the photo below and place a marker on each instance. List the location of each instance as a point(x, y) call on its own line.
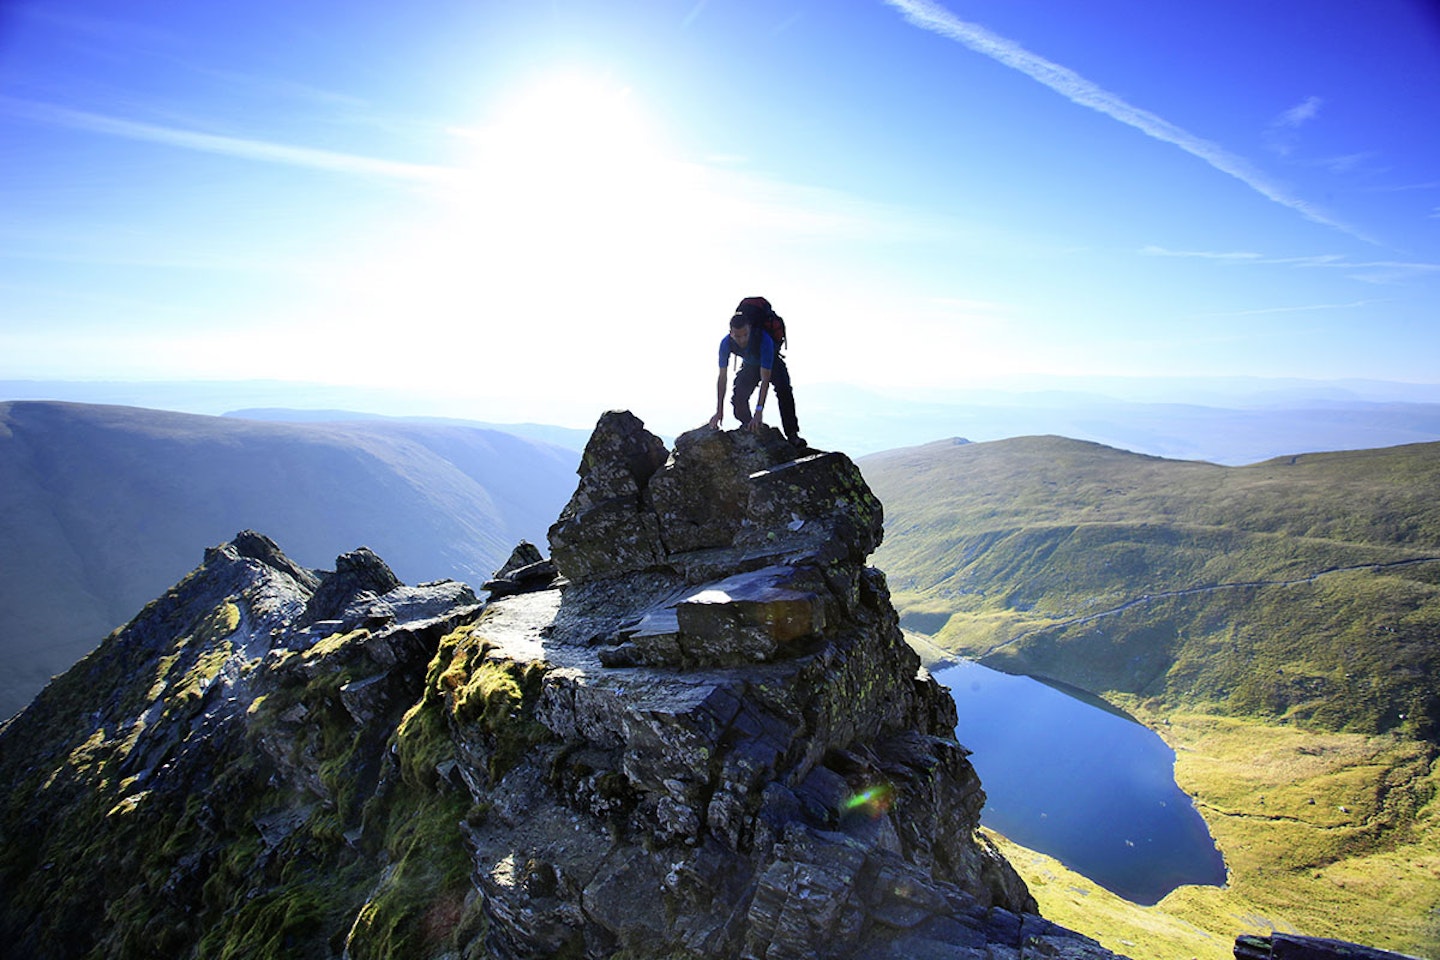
point(103, 507)
point(1304, 588)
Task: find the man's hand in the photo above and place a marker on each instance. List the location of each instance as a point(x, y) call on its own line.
point(755, 423)
point(716, 420)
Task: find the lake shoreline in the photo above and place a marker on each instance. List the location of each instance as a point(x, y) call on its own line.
point(1369, 874)
point(1090, 786)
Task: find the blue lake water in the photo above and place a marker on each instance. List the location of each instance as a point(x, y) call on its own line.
point(1088, 786)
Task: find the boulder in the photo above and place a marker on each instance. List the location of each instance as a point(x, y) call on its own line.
point(526, 570)
point(604, 530)
point(1286, 946)
point(357, 573)
point(525, 554)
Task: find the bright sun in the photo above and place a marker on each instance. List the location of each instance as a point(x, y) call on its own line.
point(568, 213)
point(575, 166)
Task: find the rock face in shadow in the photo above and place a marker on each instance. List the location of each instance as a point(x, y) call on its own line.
point(218, 774)
point(706, 738)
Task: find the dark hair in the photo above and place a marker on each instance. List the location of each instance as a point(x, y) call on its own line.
point(739, 320)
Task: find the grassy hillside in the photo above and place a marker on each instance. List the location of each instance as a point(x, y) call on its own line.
point(1277, 623)
point(1302, 589)
point(102, 508)
point(1329, 834)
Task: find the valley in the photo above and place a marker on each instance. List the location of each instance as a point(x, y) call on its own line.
point(103, 507)
point(1275, 624)
point(1213, 588)
point(1334, 835)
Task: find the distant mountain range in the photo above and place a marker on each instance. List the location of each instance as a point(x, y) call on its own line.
point(567, 437)
point(103, 507)
point(1236, 433)
point(1304, 588)
point(1230, 420)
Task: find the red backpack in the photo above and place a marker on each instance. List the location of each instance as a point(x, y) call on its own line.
point(762, 316)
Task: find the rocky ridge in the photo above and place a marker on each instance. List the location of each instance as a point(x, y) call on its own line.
point(695, 731)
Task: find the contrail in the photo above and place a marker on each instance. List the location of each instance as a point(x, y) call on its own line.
point(261, 150)
point(1072, 86)
point(1379, 270)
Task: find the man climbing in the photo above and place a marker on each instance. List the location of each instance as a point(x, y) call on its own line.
point(760, 364)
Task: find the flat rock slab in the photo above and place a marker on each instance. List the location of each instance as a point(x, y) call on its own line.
point(669, 721)
point(752, 617)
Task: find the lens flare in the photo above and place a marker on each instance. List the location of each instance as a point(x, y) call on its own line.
point(874, 801)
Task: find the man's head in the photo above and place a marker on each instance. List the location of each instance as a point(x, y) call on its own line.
point(740, 330)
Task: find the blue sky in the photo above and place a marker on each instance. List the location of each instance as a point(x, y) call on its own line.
point(540, 210)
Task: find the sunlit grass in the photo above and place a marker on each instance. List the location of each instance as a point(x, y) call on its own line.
point(1304, 589)
point(1331, 835)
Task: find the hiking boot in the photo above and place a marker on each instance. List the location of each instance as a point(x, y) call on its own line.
point(798, 442)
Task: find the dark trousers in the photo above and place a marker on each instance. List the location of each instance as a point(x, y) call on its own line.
point(748, 378)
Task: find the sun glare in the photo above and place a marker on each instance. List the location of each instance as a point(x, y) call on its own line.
point(573, 166)
point(566, 211)
point(572, 113)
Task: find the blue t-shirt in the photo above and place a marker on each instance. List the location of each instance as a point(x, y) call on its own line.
point(761, 349)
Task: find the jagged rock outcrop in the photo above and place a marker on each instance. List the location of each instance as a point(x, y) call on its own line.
point(358, 575)
point(526, 570)
point(706, 738)
point(745, 757)
point(207, 778)
point(1286, 946)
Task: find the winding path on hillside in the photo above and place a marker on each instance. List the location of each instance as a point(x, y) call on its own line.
point(1191, 591)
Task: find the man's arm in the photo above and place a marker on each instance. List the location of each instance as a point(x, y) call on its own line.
point(757, 420)
point(767, 361)
point(719, 417)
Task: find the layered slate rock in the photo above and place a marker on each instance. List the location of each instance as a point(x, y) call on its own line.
point(220, 769)
point(358, 574)
point(604, 529)
point(744, 757)
point(1285, 946)
point(524, 571)
point(694, 732)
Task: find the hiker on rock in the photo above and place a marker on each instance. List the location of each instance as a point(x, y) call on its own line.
point(756, 335)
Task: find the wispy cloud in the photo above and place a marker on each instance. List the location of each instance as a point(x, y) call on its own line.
point(1246, 256)
point(1282, 134)
point(289, 90)
point(260, 150)
point(1405, 187)
point(1303, 308)
point(1370, 271)
point(1300, 114)
point(1351, 163)
point(1071, 85)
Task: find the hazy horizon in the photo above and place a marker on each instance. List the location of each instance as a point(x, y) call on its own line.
point(1231, 421)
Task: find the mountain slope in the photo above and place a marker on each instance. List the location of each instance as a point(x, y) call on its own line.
point(102, 507)
point(1303, 587)
point(712, 742)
